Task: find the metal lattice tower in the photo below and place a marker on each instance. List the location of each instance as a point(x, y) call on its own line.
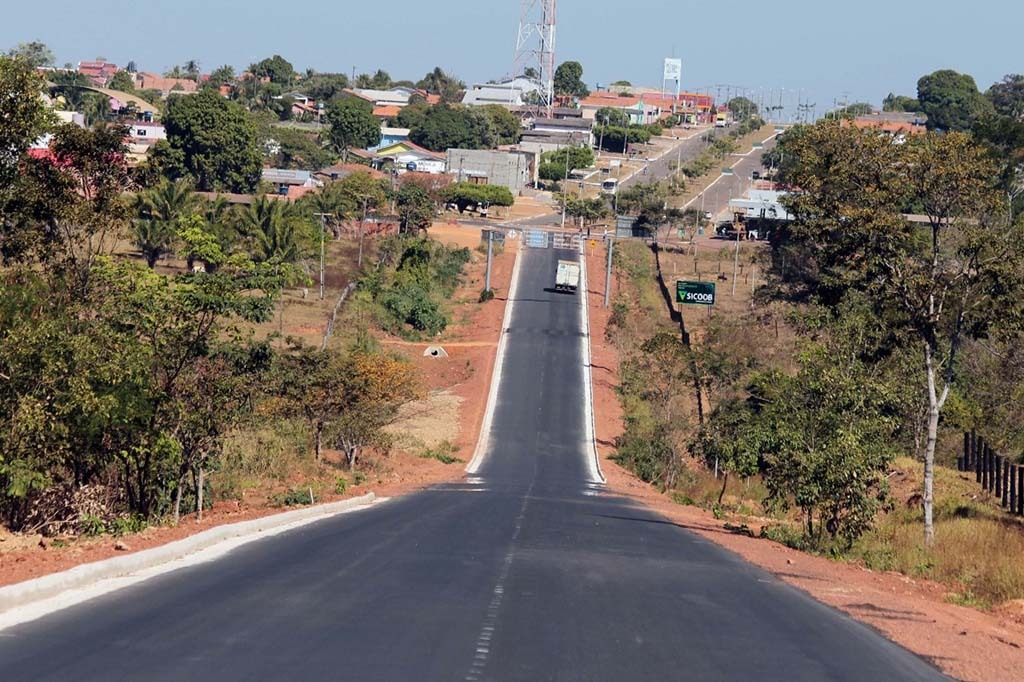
point(535, 48)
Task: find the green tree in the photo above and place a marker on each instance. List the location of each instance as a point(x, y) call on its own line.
point(352, 125)
point(374, 388)
point(569, 80)
point(742, 108)
point(942, 284)
point(278, 69)
point(826, 436)
point(437, 82)
point(416, 209)
point(275, 230)
point(122, 82)
point(467, 195)
point(296, 149)
point(608, 116)
point(24, 115)
point(413, 115)
point(221, 75)
point(1007, 96)
point(210, 140)
point(951, 100)
point(894, 102)
point(453, 127)
point(505, 127)
point(35, 54)
point(157, 212)
point(381, 80)
point(587, 210)
point(323, 87)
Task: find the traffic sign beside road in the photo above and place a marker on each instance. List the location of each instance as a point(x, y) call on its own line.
point(695, 293)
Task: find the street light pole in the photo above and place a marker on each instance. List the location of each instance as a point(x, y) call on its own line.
point(323, 237)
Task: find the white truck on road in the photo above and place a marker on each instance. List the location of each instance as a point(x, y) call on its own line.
point(567, 277)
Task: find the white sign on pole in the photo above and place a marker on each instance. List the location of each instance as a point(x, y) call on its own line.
point(673, 69)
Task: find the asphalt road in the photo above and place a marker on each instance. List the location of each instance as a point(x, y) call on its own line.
point(525, 572)
point(657, 169)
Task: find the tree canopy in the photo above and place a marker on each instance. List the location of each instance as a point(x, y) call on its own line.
point(35, 53)
point(211, 141)
point(569, 80)
point(446, 127)
point(352, 125)
point(278, 69)
point(1007, 96)
point(951, 100)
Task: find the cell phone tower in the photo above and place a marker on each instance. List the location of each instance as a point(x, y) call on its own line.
point(535, 49)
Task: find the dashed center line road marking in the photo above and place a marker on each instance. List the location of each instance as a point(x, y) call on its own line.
point(483, 640)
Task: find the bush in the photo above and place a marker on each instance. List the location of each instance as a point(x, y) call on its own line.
point(486, 295)
point(340, 485)
point(443, 452)
point(296, 497)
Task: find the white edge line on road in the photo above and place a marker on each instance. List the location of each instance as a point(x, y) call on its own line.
point(484, 439)
point(590, 441)
point(33, 599)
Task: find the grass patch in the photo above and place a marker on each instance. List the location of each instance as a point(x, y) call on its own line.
point(443, 452)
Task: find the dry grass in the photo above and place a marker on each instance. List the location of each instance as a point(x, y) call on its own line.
point(978, 550)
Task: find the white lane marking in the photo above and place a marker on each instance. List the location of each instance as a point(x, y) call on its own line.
point(483, 441)
point(44, 607)
point(483, 640)
point(744, 156)
point(590, 426)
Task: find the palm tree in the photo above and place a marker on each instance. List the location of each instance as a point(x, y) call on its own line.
point(192, 70)
point(272, 230)
point(157, 212)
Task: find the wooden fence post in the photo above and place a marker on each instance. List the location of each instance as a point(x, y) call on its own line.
point(1012, 506)
point(1006, 481)
point(973, 455)
point(963, 460)
point(1020, 491)
point(979, 454)
point(997, 485)
point(985, 468)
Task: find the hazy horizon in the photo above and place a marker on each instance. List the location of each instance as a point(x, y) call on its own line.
point(829, 53)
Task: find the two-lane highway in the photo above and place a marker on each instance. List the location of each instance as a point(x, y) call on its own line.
point(526, 571)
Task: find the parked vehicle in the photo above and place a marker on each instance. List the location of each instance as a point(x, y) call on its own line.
point(567, 277)
point(611, 186)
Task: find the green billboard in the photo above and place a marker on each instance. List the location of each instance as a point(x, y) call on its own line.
point(695, 293)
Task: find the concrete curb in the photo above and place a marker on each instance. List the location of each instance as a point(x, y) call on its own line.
point(37, 589)
point(589, 416)
point(484, 438)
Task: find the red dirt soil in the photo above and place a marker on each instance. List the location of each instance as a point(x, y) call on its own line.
point(465, 373)
point(966, 643)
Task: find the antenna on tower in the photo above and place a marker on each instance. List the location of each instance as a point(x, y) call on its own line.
point(535, 49)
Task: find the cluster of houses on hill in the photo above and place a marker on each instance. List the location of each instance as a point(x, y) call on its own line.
point(513, 166)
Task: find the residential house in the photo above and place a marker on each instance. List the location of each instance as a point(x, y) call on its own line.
point(142, 135)
point(899, 125)
point(579, 129)
point(291, 183)
point(509, 93)
point(408, 156)
point(648, 106)
point(98, 72)
point(514, 170)
point(151, 81)
point(390, 136)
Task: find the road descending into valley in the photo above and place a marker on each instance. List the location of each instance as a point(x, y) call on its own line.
point(528, 570)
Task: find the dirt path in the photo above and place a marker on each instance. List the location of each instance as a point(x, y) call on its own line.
point(965, 643)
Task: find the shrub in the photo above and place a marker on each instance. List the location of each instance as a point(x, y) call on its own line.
point(296, 497)
point(486, 295)
point(340, 485)
point(443, 452)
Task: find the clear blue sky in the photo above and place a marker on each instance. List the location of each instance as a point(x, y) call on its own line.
point(864, 48)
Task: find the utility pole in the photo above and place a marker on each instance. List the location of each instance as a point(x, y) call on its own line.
point(736, 261)
point(608, 273)
point(490, 250)
point(323, 237)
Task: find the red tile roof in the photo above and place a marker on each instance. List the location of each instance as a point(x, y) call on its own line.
point(389, 111)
